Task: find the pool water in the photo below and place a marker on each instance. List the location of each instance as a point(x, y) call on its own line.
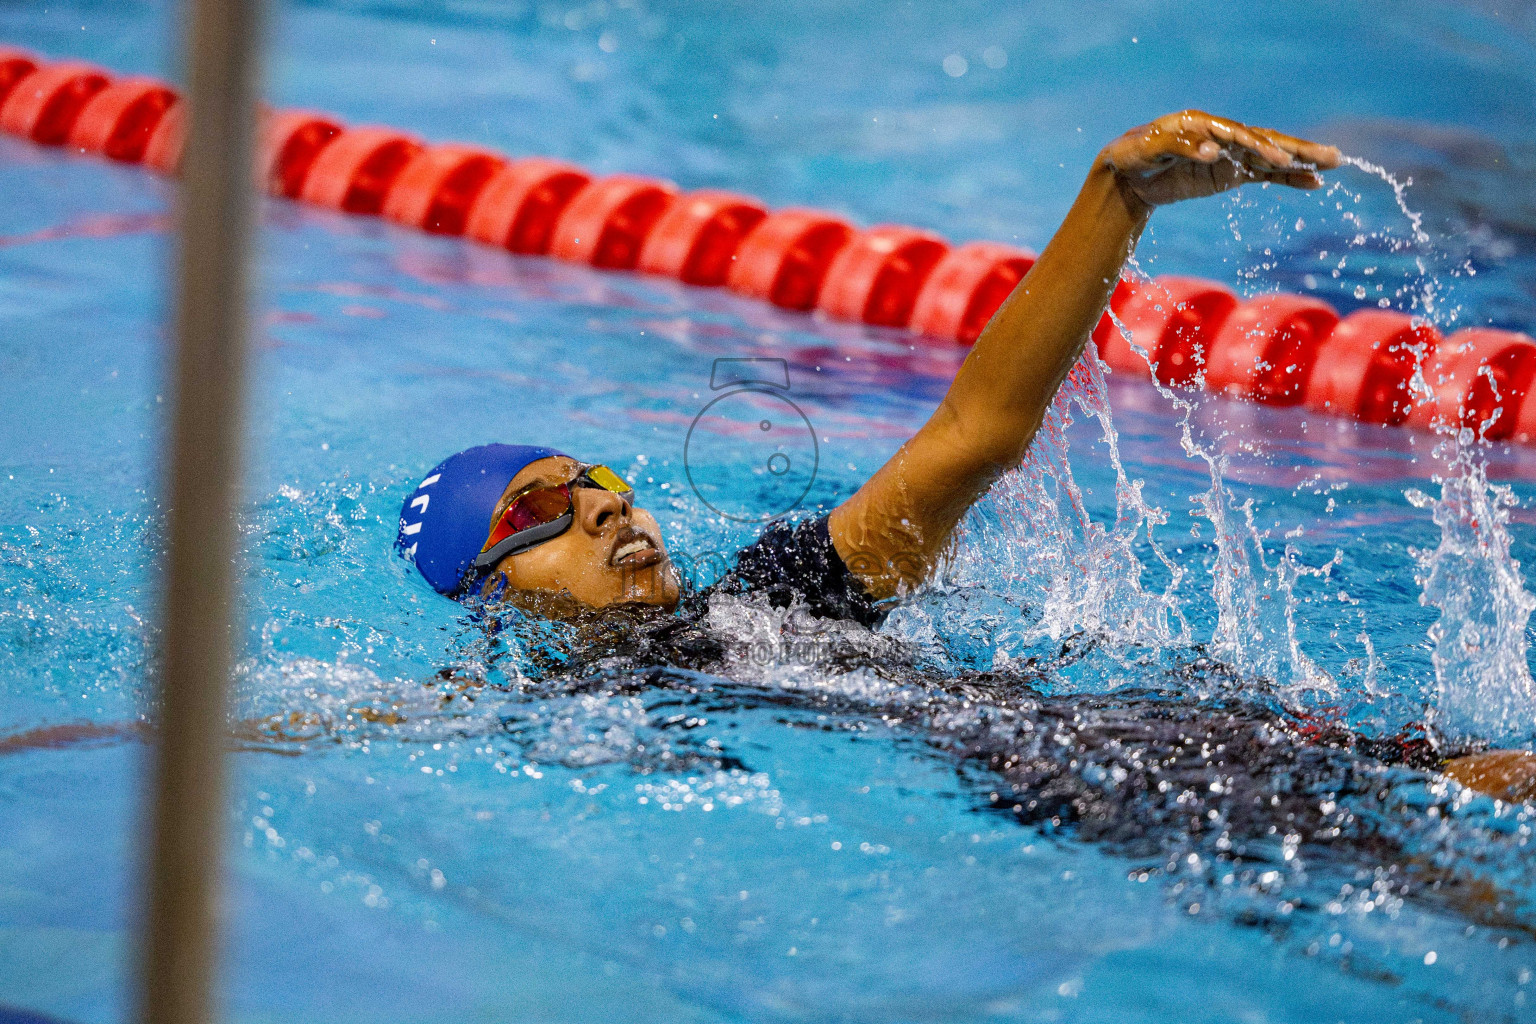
point(428, 823)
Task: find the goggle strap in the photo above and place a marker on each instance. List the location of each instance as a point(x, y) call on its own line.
point(524, 539)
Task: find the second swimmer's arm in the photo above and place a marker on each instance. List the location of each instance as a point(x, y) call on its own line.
point(892, 531)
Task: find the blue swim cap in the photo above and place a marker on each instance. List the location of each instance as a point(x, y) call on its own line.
point(444, 522)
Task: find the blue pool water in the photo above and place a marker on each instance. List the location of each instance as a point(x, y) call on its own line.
point(765, 838)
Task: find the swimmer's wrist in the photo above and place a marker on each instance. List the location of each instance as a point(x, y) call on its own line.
point(1115, 181)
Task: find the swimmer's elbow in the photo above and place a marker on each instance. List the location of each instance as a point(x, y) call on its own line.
point(984, 446)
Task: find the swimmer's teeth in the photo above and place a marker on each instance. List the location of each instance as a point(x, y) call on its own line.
point(631, 548)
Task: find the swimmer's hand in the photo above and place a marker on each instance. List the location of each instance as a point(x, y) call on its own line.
point(1192, 154)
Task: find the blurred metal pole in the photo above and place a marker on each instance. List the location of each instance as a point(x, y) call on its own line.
point(180, 941)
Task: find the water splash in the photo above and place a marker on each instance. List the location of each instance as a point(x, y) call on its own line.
point(1055, 572)
point(1092, 573)
point(1399, 193)
point(1255, 630)
point(1033, 539)
point(1033, 544)
point(1483, 684)
point(1255, 605)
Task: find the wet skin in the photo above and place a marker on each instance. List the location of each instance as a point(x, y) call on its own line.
point(612, 554)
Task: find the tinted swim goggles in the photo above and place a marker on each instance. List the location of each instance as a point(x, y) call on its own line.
point(542, 512)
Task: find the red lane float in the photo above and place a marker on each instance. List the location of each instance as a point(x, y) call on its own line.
point(437, 188)
point(1473, 374)
point(43, 105)
point(14, 66)
point(607, 222)
point(118, 121)
point(1364, 367)
point(878, 274)
point(288, 143)
point(697, 238)
point(785, 258)
point(1266, 348)
point(1279, 348)
point(356, 169)
point(163, 151)
point(966, 288)
point(1175, 319)
point(1525, 422)
point(519, 207)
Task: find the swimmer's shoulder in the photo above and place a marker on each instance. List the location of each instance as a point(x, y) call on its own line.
point(796, 562)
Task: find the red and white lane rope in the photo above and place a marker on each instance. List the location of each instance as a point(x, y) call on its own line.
point(1282, 349)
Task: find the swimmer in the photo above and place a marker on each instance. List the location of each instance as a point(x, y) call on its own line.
point(548, 532)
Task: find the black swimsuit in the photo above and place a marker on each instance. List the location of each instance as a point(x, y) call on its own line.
point(797, 562)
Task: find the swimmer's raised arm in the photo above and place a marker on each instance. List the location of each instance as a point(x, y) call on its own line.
point(893, 530)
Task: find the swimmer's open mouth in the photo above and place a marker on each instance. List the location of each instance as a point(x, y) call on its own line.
point(633, 549)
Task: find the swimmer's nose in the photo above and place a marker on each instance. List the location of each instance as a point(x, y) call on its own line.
point(597, 509)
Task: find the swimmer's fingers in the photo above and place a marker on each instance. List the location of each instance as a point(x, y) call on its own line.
point(1240, 172)
point(1297, 179)
point(1196, 137)
point(1318, 155)
point(1266, 149)
point(1269, 170)
point(1256, 149)
point(1260, 170)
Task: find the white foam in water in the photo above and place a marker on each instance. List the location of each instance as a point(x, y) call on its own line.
point(720, 788)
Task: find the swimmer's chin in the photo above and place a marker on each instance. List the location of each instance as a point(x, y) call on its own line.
point(563, 606)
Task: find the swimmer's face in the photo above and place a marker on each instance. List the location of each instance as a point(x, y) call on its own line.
point(612, 553)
